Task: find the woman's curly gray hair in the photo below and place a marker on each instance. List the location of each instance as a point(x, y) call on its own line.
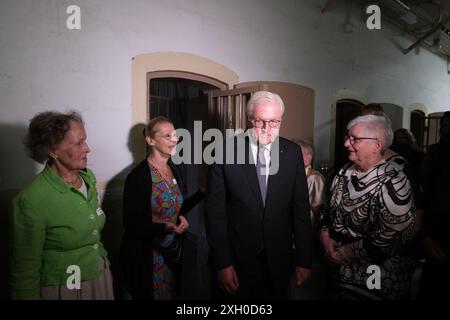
point(46, 131)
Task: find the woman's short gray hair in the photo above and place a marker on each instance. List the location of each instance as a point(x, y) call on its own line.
point(260, 96)
point(378, 124)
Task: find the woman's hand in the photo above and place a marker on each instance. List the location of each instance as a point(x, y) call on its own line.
point(182, 226)
point(170, 226)
point(344, 254)
point(329, 246)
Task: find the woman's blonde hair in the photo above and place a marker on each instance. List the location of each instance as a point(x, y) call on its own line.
point(152, 125)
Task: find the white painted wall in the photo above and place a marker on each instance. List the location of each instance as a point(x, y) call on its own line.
point(45, 66)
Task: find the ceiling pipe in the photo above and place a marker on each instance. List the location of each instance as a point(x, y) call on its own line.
point(403, 5)
point(424, 18)
point(419, 41)
point(429, 33)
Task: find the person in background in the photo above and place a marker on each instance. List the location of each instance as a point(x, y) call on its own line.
point(369, 222)
point(405, 145)
point(370, 108)
point(435, 176)
point(315, 287)
point(153, 218)
point(56, 220)
point(315, 180)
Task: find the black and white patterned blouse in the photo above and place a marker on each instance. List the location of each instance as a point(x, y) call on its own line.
point(374, 212)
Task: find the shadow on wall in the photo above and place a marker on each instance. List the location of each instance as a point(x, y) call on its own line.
point(16, 169)
point(112, 203)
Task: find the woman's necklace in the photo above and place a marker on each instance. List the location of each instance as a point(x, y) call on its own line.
point(165, 173)
point(74, 182)
point(166, 176)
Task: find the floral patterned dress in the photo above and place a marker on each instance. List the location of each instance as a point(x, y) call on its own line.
point(166, 201)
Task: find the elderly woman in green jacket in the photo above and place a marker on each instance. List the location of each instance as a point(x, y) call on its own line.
point(56, 220)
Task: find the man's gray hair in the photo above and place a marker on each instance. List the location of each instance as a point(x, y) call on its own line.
point(260, 96)
point(378, 124)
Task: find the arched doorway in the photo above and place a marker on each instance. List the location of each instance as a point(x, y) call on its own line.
point(182, 65)
point(417, 126)
point(346, 110)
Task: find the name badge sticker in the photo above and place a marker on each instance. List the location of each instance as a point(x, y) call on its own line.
point(99, 211)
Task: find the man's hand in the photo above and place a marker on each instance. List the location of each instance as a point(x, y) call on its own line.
point(228, 280)
point(301, 274)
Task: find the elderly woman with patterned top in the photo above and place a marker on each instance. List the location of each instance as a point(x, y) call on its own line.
point(153, 209)
point(56, 220)
point(369, 222)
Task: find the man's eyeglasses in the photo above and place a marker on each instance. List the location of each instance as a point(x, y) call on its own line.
point(262, 123)
point(353, 139)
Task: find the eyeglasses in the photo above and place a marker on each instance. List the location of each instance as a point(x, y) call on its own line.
point(262, 123)
point(167, 136)
point(353, 139)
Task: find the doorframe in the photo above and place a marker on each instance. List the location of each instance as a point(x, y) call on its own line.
point(407, 113)
point(342, 94)
point(183, 65)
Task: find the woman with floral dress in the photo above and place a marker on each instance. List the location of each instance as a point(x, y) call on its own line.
point(153, 217)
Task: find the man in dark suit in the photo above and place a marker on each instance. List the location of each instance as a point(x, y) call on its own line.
point(257, 212)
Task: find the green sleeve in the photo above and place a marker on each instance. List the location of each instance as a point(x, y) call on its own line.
point(27, 242)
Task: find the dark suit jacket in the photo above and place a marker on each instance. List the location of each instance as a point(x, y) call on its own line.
point(435, 181)
point(136, 253)
point(238, 226)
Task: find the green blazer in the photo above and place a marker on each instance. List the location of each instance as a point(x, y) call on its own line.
point(53, 226)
